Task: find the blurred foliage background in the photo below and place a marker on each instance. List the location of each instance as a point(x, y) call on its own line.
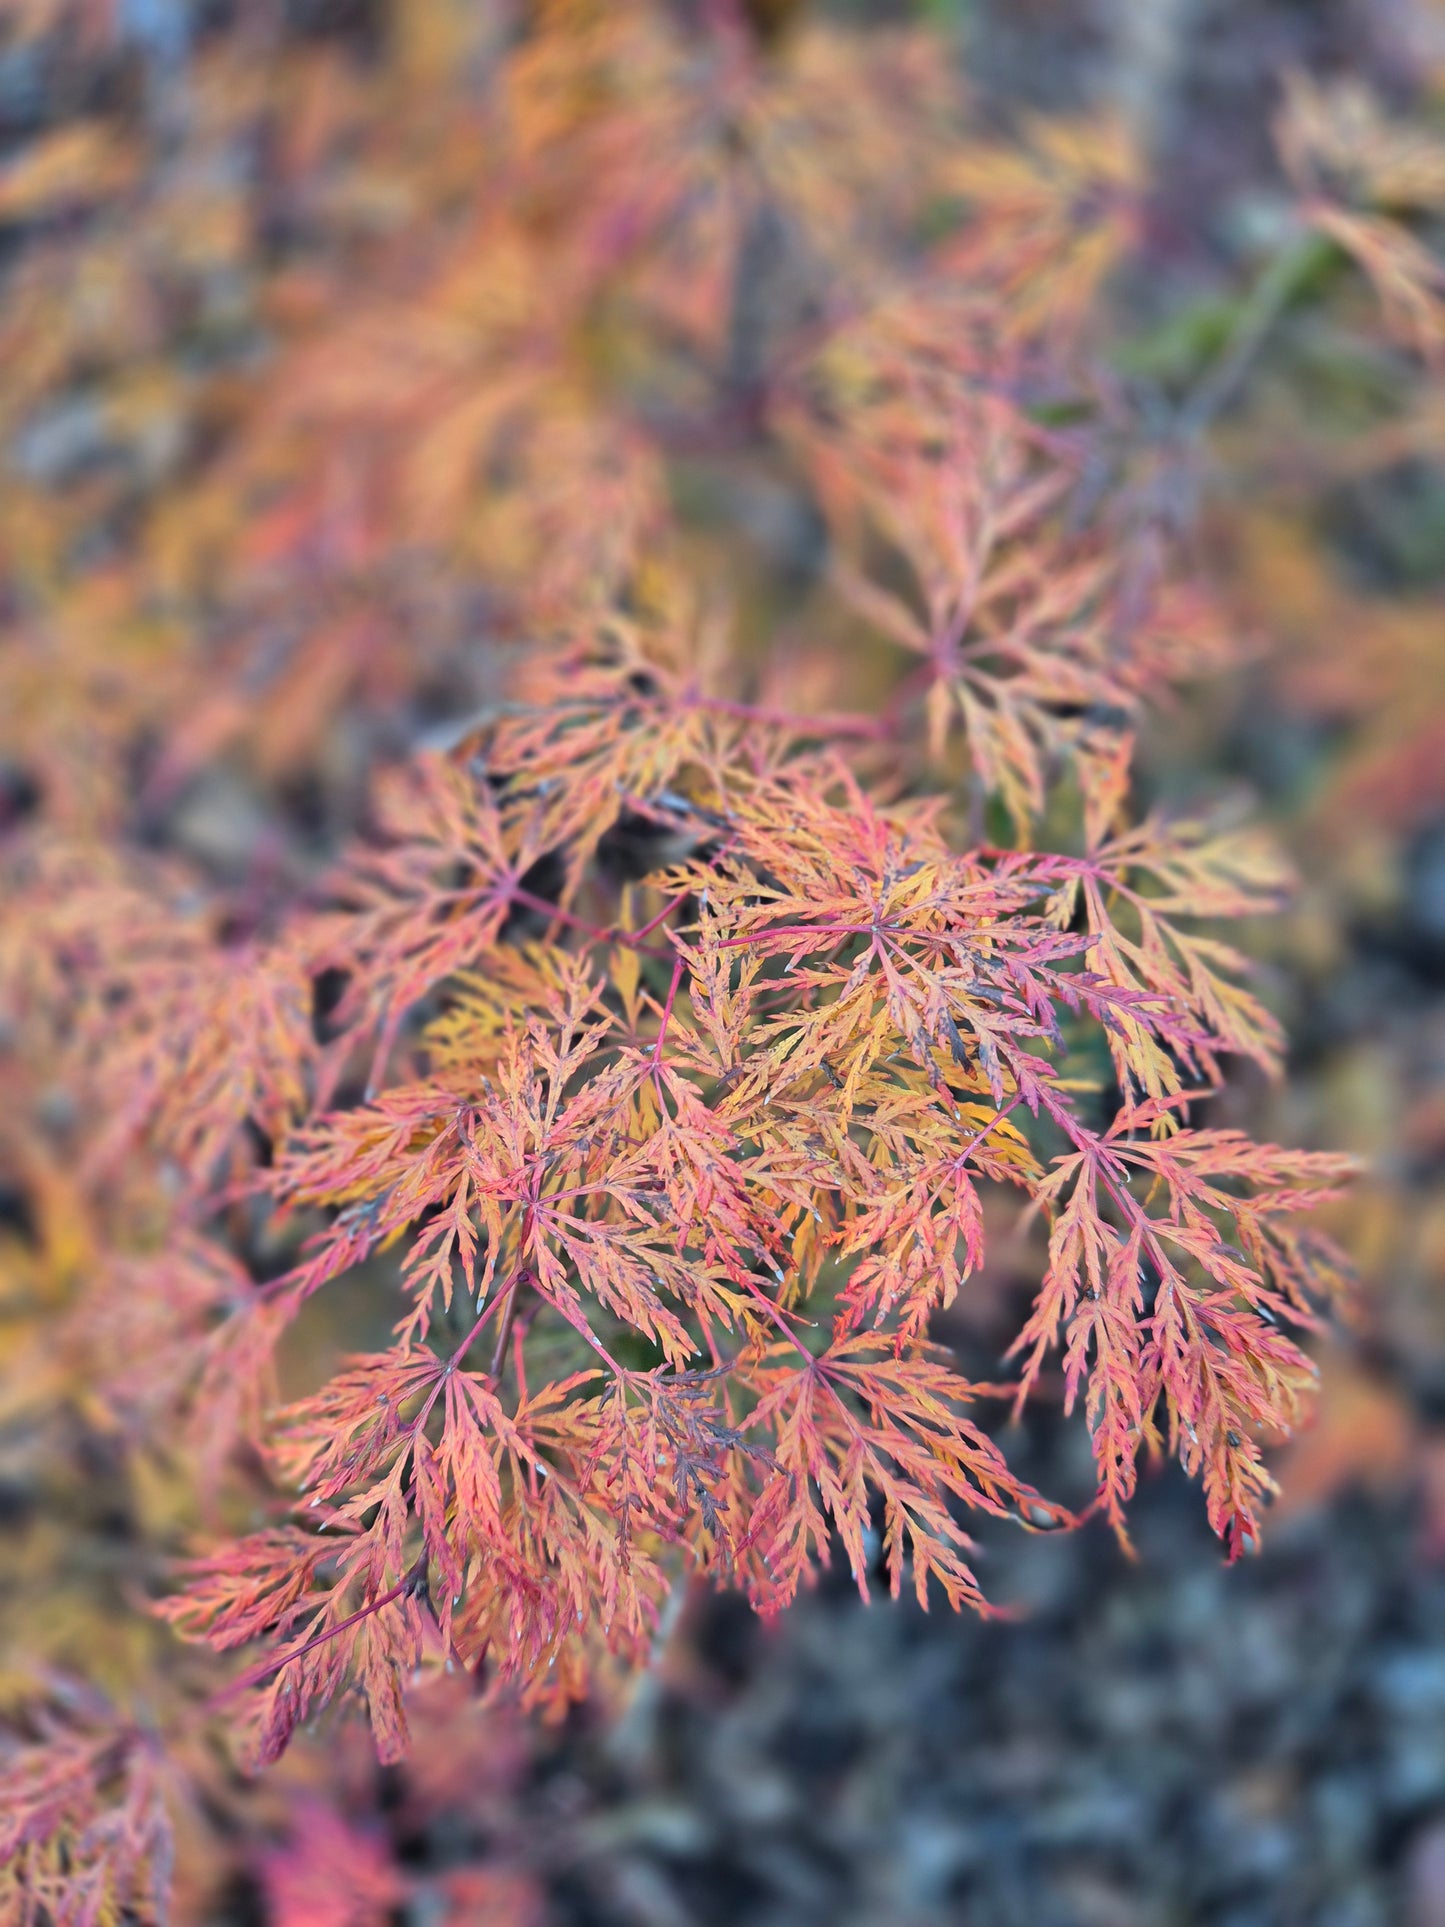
point(243, 564)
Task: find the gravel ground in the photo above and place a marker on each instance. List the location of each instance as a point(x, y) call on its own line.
point(1148, 1743)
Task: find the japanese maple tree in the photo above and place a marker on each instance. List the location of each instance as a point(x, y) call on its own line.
point(656, 1043)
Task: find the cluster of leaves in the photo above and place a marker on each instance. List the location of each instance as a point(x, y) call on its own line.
point(1333, 538)
point(1356, 631)
point(637, 1080)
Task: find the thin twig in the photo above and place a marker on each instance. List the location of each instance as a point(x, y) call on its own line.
point(1271, 294)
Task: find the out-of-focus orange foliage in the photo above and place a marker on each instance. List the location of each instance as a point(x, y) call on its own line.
point(439, 902)
point(1330, 543)
point(1373, 184)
